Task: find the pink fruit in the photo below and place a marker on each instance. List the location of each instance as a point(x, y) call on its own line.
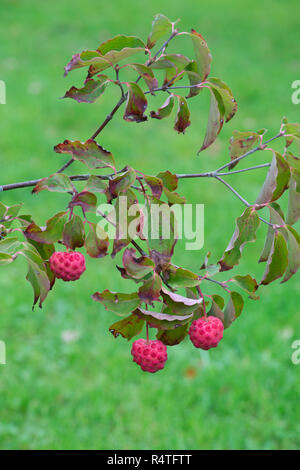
point(206, 333)
point(151, 355)
point(67, 265)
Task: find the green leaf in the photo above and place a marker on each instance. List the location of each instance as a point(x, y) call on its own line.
point(202, 54)
point(245, 232)
point(165, 110)
point(120, 184)
point(90, 153)
point(278, 260)
point(137, 268)
point(86, 200)
point(230, 104)
point(122, 304)
point(173, 64)
point(136, 104)
point(52, 233)
point(217, 306)
point(241, 143)
point(108, 53)
point(194, 77)
point(172, 337)
point(215, 119)
point(73, 234)
point(276, 217)
point(276, 181)
point(128, 327)
point(248, 284)
point(294, 198)
point(182, 116)
point(120, 47)
point(10, 245)
point(96, 185)
point(56, 183)
point(90, 92)
point(37, 273)
point(292, 131)
point(233, 309)
point(293, 241)
point(8, 214)
point(180, 277)
point(96, 243)
point(150, 290)
point(161, 25)
point(170, 181)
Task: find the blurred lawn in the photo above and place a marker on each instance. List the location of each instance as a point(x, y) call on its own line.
point(87, 393)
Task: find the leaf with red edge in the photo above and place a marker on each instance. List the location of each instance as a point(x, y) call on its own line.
point(241, 143)
point(182, 116)
point(121, 304)
point(276, 181)
point(149, 292)
point(90, 153)
point(120, 184)
point(277, 261)
point(155, 184)
point(55, 183)
point(137, 268)
point(73, 233)
point(165, 110)
point(215, 119)
point(96, 184)
point(147, 75)
point(173, 64)
point(245, 232)
point(162, 233)
point(276, 217)
point(161, 25)
point(91, 90)
point(120, 47)
point(52, 233)
point(87, 59)
point(96, 242)
point(248, 284)
point(202, 54)
point(86, 200)
point(136, 104)
point(217, 306)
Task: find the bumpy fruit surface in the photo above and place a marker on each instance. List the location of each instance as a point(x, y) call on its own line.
point(67, 265)
point(206, 333)
point(151, 356)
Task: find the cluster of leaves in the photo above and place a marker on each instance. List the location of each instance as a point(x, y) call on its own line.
point(155, 299)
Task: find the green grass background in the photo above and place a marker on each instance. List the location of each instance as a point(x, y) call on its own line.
point(87, 394)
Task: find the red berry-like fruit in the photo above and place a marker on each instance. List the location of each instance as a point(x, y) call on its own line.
point(67, 265)
point(151, 355)
point(206, 333)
